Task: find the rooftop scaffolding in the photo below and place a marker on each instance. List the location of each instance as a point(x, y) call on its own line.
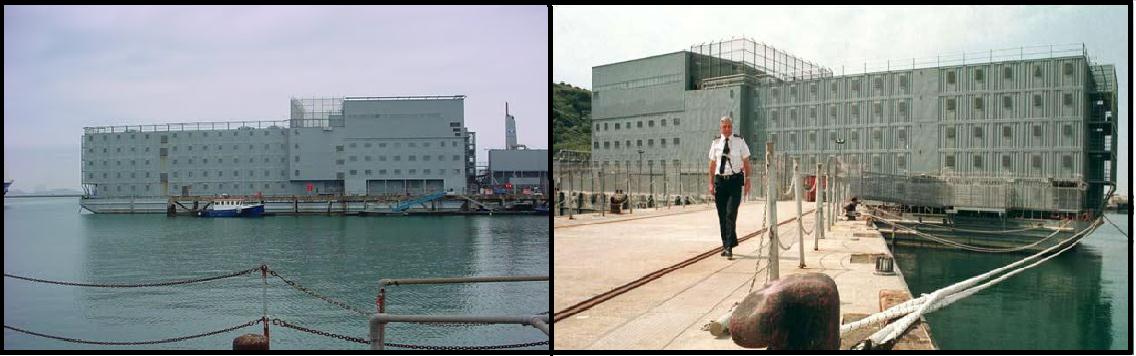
point(317, 112)
point(718, 59)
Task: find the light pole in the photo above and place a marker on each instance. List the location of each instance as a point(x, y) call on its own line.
point(639, 177)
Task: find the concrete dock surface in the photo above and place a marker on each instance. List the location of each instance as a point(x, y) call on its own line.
point(594, 255)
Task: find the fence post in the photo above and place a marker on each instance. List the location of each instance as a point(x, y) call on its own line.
point(378, 329)
point(796, 196)
point(800, 223)
point(771, 212)
point(828, 200)
point(818, 223)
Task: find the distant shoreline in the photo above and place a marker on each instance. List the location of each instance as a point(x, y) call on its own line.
point(44, 196)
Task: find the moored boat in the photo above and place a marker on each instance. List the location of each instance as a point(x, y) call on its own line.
point(221, 208)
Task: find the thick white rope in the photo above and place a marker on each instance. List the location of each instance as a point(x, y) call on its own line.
point(910, 305)
point(937, 301)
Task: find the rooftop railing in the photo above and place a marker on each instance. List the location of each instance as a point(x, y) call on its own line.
point(215, 125)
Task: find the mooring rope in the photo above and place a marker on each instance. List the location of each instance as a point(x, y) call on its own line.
point(959, 290)
point(963, 246)
point(960, 229)
point(1114, 225)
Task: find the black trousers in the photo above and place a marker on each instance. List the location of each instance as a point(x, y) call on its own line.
point(727, 197)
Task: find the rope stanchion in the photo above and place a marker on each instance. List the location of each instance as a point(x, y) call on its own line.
point(151, 342)
point(138, 285)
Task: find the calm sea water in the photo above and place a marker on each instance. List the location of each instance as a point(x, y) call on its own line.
point(341, 257)
point(1076, 301)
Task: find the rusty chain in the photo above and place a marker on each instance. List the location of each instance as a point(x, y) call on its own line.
point(162, 341)
point(280, 322)
point(360, 340)
point(116, 285)
point(317, 295)
point(481, 347)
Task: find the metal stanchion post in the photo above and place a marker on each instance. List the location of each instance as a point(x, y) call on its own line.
point(800, 223)
point(771, 212)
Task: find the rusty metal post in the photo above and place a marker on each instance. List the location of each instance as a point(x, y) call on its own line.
point(264, 300)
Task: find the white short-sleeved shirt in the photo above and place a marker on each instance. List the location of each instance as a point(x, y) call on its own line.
point(739, 152)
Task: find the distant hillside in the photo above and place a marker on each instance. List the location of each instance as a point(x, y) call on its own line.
point(571, 118)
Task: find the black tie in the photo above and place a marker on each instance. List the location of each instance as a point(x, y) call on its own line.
point(725, 157)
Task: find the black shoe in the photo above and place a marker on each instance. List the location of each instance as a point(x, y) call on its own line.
point(730, 253)
point(723, 253)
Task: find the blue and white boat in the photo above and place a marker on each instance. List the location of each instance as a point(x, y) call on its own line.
point(232, 208)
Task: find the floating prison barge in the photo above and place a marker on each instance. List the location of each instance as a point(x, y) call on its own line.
point(348, 155)
point(1002, 139)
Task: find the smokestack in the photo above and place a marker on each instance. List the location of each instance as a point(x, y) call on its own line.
point(510, 129)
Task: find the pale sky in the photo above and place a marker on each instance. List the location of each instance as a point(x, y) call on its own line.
point(68, 67)
point(587, 36)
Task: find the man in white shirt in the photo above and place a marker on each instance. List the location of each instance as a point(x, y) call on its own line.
point(729, 167)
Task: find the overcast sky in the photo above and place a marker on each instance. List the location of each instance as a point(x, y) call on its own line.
point(584, 37)
point(68, 67)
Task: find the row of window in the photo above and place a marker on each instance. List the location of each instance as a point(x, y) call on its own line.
point(1008, 73)
point(396, 144)
point(638, 143)
point(1008, 102)
point(639, 124)
point(1007, 131)
point(219, 133)
point(397, 171)
point(1007, 162)
point(396, 158)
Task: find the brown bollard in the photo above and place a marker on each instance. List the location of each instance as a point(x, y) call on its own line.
point(250, 342)
point(797, 312)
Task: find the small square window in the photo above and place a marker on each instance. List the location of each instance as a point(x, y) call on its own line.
point(1067, 99)
point(1007, 102)
point(1007, 73)
point(1006, 131)
point(978, 132)
point(979, 74)
point(1037, 130)
point(977, 161)
point(1037, 100)
point(1006, 161)
point(950, 104)
point(1068, 68)
point(1035, 161)
point(951, 78)
point(1067, 130)
point(1066, 161)
point(978, 103)
point(950, 161)
point(950, 132)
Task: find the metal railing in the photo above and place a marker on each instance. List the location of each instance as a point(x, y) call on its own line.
point(190, 126)
point(962, 58)
point(379, 321)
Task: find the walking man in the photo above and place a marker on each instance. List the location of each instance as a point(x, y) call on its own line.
point(729, 167)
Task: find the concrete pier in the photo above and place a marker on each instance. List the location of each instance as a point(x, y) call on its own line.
point(595, 255)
